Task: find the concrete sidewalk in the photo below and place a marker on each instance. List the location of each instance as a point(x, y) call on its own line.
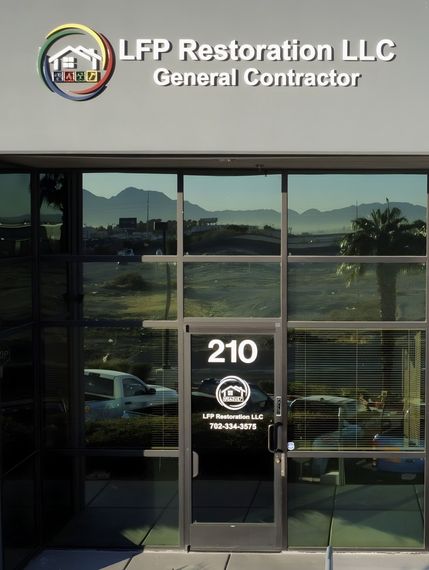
point(169, 560)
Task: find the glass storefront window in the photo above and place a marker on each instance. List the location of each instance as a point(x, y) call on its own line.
point(54, 283)
point(54, 213)
point(58, 477)
point(129, 502)
point(217, 289)
point(104, 427)
point(232, 215)
point(15, 293)
point(123, 290)
point(17, 398)
point(15, 217)
point(356, 503)
point(129, 213)
point(20, 532)
point(130, 387)
point(356, 292)
point(357, 214)
point(56, 388)
point(356, 389)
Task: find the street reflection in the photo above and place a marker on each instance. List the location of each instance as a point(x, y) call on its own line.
point(247, 224)
point(130, 290)
point(129, 214)
point(216, 289)
point(324, 291)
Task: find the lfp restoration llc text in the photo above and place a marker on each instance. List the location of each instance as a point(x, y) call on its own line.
point(190, 50)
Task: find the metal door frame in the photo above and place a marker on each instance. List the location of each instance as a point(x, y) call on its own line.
point(246, 536)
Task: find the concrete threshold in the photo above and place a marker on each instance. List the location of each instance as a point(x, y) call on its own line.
point(178, 560)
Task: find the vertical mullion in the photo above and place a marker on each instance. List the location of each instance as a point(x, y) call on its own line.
point(36, 348)
point(180, 237)
point(76, 356)
point(183, 518)
point(426, 493)
point(283, 346)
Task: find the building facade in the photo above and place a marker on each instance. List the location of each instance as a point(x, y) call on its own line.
point(213, 251)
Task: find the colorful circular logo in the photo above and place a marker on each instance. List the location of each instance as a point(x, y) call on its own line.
point(75, 71)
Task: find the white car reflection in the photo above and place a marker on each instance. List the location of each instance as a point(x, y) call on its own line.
point(115, 394)
point(327, 423)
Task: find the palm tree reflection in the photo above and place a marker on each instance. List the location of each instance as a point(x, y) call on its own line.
point(384, 233)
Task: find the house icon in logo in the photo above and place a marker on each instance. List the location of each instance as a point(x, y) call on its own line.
point(76, 72)
point(233, 393)
point(62, 60)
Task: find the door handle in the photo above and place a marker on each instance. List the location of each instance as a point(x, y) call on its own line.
point(195, 464)
point(275, 437)
point(271, 438)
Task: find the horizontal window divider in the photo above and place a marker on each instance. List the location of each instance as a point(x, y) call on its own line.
point(208, 321)
point(110, 452)
point(106, 258)
point(128, 258)
point(219, 259)
point(57, 323)
point(239, 171)
point(231, 259)
point(235, 327)
point(158, 258)
point(8, 331)
point(15, 259)
point(161, 453)
point(21, 462)
point(107, 323)
point(222, 258)
point(356, 259)
point(186, 169)
point(376, 325)
point(71, 323)
point(311, 453)
point(111, 323)
point(149, 324)
point(124, 157)
point(57, 257)
point(114, 258)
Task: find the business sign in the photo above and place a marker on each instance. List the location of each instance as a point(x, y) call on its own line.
point(75, 71)
point(80, 68)
point(293, 50)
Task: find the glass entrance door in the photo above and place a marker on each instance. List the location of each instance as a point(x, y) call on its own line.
point(235, 454)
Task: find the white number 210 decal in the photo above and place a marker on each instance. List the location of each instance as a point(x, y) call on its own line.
point(237, 351)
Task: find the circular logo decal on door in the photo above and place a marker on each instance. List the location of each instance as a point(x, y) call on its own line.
point(233, 393)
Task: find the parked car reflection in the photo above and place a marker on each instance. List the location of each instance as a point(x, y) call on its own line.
point(331, 422)
point(407, 435)
point(114, 394)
